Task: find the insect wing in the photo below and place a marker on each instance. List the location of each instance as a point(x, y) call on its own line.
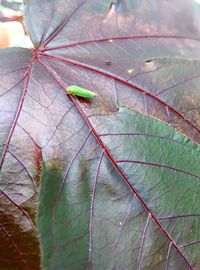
point(81, 92)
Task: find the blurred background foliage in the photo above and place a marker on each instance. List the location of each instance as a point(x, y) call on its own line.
point(12, 30)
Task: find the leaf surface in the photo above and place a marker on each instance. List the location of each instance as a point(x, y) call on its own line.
point(111, 182)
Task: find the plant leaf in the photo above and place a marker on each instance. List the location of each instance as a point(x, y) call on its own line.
point(113, 182)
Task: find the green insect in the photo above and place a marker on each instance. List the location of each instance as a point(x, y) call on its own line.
point(80, 92)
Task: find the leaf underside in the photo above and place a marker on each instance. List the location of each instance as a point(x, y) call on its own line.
point(112, 182)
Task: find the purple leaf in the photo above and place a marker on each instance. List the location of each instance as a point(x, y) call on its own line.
point(111, 182)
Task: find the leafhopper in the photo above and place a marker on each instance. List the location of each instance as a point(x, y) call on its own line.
point(80, 92)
